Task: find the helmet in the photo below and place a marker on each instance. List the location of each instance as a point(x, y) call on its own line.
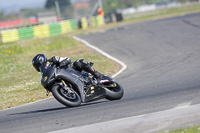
point(38, 60)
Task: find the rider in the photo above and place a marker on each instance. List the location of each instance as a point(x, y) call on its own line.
point(41, 63)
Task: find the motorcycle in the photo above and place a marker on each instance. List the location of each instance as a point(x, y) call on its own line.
point(71, 87)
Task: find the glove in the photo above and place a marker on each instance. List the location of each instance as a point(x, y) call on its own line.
point(65, 62)
point(54, 60)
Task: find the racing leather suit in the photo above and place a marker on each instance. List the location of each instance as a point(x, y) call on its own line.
point(78, 65)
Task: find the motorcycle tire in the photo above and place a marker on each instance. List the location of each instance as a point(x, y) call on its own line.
point(56, 91)
point(114, 93)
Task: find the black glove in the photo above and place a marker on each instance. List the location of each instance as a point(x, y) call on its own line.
point(65, 62)
point(54, 60)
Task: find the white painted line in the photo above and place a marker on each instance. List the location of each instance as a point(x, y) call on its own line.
point(124, 66)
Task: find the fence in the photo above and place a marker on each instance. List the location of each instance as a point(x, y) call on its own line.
point(47, 30)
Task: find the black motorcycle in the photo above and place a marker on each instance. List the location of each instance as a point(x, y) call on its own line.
point(71, 87)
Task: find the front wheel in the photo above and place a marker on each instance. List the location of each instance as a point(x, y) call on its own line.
point(114, 92)
point(69, 99)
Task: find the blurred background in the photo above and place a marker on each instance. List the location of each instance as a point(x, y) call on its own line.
point(32, 12)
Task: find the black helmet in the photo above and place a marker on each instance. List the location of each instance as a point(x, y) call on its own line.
point(38, 60)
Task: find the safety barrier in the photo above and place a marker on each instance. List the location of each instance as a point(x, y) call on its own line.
point(25, 33)
point(46, 30)
point(73, 24)
point(41, 31)
point(100, 20)
point(97, 21)
point(65, 27)
point(83, 23)
point(55, 29)
point(9, 36)
point(94, 21)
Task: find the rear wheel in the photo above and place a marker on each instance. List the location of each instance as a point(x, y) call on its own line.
point(115, 92)
point(70, 99)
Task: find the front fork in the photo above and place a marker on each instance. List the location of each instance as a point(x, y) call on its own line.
point(65, 87)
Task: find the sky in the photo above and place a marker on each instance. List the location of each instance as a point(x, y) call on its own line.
point(15, 5)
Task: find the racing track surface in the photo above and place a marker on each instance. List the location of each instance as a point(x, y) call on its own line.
point(163, 72)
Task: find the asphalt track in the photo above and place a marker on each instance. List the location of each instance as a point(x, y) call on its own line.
point(163, 72)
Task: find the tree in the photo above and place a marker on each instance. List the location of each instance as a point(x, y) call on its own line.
point(110, 5)
point(62, 3)
point(125, 3)
point(2, 17)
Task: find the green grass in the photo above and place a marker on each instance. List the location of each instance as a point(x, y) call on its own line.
point(20, 82)
point(195, 129)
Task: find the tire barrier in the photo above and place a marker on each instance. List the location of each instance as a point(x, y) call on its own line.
point(100, 20)
point(41, 31)
point(54, 29)
point(25, 33)
point(65, 27)
point(94, 21)
point(97, 21)
point(83, 24)
point(9, 36)
point(119, 17)
point(47, 30)
point(73, 24)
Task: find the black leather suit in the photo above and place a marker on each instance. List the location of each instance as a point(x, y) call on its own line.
point(78, 65)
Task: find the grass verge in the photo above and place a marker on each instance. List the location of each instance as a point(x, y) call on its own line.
point(195, 129)
point(164, 13)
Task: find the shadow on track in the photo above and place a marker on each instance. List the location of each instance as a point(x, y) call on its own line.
point(40, 111)
point(59, 108)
